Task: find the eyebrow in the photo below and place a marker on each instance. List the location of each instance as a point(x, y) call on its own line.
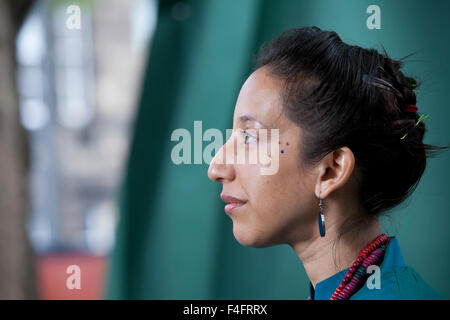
point(246, 118)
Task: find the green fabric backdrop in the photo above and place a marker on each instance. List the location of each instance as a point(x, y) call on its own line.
point(173, 239)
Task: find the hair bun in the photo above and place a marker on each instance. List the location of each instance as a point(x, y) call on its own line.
point(405, 85)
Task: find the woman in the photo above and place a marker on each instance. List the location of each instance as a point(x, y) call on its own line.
point(350, 148)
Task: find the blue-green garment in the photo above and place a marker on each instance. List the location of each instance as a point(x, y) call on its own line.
point(397, 281)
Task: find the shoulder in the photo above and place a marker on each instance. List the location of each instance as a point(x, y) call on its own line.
point(402, 283)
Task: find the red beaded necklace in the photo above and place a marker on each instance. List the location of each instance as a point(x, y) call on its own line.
point(356, 276)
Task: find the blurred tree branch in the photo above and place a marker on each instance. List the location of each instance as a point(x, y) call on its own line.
point(17, 279)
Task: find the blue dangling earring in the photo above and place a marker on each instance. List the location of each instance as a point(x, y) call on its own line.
point(321, 219)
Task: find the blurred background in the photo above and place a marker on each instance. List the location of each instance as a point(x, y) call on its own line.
point(90, 93)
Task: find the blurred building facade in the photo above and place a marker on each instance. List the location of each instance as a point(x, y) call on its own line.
point(77, 87)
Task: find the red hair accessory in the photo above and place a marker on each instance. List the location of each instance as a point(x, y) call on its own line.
point(411, 108)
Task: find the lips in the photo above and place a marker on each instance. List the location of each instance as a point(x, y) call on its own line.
point(232, 203)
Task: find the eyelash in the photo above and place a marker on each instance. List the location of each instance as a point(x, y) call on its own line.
point(247, 135)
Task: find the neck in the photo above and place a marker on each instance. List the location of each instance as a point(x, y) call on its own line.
point(323, 257)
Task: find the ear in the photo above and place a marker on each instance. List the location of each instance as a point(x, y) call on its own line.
point(334, 170)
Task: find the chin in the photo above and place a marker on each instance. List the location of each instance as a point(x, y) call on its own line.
point(249, 237)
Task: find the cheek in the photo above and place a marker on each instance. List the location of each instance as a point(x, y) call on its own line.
point(260, 189)
point(273, 199)
point(253, 227)
point(277, 203)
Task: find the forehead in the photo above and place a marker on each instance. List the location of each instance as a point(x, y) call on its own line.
point(259, 98)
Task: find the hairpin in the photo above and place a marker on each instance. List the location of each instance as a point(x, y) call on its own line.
point(411, 108)
point(422, 117)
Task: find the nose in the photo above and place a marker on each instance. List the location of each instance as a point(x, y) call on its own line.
point(219, 170)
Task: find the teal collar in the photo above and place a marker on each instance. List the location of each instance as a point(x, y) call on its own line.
point(393, 259)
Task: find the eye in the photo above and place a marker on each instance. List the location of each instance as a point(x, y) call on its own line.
point(248, 137)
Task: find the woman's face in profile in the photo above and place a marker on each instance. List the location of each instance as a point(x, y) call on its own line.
point(266, 209)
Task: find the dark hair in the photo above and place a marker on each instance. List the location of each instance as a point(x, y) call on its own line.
point(345, 95)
